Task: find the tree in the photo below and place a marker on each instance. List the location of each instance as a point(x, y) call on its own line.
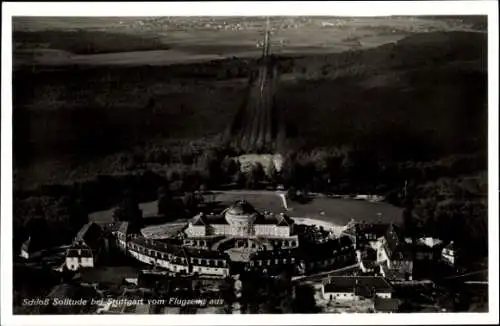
point(255, 176)
point(229, 167)
point(304, 301)
point(272, 174)
point(128, 209)
point(164, 200)
point(190, 201)
point(240, 179)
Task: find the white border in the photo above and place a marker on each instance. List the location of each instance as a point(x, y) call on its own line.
point(365, 8)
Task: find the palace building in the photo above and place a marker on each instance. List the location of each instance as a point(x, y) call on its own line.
point(240, 238)
point(244, 223)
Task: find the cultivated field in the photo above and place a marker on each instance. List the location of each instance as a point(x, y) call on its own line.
point(206, 38)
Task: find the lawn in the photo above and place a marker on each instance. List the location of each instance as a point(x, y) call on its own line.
point(339, 211)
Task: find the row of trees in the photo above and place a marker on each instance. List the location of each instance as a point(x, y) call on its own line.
point(48, 220)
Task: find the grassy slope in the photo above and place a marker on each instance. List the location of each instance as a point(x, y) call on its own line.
point(426, 91)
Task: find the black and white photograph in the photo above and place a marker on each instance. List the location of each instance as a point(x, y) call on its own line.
point(187, 164)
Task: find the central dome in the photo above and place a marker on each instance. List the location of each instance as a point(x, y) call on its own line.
point(241, 208)
point(241, 216)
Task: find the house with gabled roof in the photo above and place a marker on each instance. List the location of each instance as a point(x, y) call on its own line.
point(86, 247)
point(394, 255)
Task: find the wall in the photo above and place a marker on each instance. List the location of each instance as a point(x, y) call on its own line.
point(340, 296)
point(384, 295)
point(220, 229)
point(265, 229)
point(222, 271)
point(196, 230)
point(337, 229)
point(72, 263)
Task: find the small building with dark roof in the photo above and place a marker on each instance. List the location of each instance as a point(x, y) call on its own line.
point(356, 287)
point(394, 256)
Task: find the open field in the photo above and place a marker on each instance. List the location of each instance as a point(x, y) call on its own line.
point(338, 211)
point(193, 37)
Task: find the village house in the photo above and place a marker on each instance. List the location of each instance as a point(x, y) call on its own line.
point(86, 247)
point(450, 254)
point(348, 288)
point(32, 248)
point(394, 256)
point(367, 260)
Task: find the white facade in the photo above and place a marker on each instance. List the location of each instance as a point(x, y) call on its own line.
point(384, 295)
point(210, 270)
point(241, 220)
point(382, 256)
point(239, 229)
point(241, 225)
point(220, 229)
point(448, 256)
point(158, 262)
point(196, 230)
point(340, 296)
point(74, 263)
point(27, 255)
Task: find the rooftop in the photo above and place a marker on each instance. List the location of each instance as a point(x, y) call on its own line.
point(241, 208)
point(90, 234)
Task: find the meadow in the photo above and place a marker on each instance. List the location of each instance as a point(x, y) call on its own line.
point(337, 211)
